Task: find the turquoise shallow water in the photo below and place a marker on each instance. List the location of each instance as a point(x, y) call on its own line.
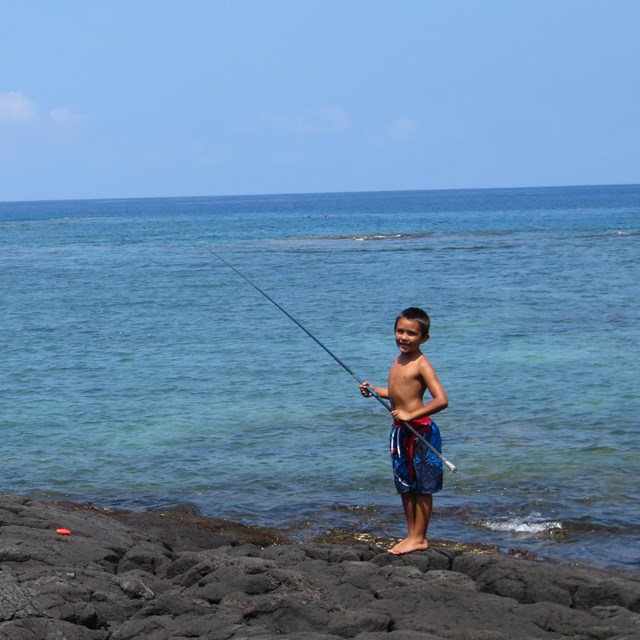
point(140, 371)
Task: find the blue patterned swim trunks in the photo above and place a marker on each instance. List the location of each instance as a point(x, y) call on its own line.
point(416, 468)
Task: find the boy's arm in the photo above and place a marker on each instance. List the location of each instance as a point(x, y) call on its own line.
point(366, 388)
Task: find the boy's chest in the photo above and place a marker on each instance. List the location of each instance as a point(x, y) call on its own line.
point(403, 374)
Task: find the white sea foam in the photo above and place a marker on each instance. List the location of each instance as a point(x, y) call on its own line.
point(521, 525)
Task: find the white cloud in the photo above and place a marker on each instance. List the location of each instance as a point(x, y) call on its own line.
point(319, 119)
point(403, 128)
point(337, 117)
point(15, 106)
point(64, 117)
point(295, 124)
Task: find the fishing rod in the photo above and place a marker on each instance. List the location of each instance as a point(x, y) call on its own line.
point(348, 369)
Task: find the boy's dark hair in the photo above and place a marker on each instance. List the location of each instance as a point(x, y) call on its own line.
point(415, 313)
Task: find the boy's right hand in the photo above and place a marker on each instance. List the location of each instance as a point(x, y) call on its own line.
point(365, 389)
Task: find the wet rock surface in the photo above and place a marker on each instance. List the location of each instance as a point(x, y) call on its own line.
point(177, 575)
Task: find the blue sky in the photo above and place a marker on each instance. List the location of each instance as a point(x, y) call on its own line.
point(149, 98)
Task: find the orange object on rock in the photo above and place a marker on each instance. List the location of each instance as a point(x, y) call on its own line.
point(63, 532)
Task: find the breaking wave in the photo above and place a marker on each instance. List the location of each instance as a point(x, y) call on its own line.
point(521, 525)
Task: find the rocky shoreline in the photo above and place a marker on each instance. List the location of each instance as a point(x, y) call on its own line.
point(176, 575)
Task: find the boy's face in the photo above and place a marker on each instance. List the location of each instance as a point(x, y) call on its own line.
point(409, 336)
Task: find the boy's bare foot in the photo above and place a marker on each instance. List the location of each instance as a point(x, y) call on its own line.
point(409, 545)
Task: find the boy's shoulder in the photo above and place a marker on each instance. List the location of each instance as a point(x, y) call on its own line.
point(422, 361)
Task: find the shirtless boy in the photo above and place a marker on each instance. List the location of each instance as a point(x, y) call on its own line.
point(417, 470)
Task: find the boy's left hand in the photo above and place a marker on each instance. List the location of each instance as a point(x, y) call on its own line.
point(398, 414)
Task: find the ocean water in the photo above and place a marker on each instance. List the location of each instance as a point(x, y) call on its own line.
point(140, 371)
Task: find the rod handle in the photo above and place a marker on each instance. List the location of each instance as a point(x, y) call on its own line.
point(425, 442)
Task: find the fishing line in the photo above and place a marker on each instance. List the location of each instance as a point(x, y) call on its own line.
point(383, 402)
